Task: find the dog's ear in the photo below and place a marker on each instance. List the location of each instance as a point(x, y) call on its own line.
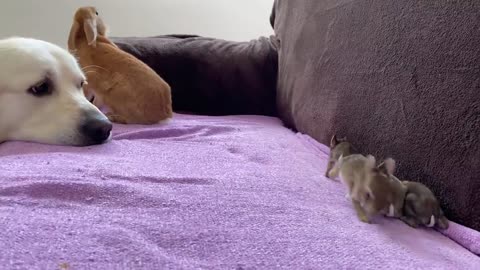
point(90, 28)
point(71, 37)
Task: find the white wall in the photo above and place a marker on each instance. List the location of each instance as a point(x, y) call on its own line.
point(50, 20)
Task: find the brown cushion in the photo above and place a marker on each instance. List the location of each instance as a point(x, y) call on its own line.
point(212, 76)
point(398, 78)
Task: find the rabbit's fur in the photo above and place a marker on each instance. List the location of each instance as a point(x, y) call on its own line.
point(132, 92)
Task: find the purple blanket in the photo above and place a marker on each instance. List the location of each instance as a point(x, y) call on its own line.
point(200, 193)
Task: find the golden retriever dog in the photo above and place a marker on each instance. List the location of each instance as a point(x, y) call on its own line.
point(41, 96)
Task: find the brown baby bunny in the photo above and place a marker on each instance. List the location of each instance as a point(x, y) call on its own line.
point(132, 92)
point(355, 172)
point(392, 191)
point(339, 148)
point(422, 207)
point(370, 187)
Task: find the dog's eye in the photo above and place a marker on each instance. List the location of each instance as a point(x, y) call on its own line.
point(96, 12)
point(41, 89)
point(82, 84)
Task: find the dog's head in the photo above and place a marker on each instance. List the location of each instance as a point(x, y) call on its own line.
point(41, 97)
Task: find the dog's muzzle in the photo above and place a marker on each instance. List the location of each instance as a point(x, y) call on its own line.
point(96, 129)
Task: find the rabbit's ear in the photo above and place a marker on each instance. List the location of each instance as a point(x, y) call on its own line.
point(72, 35)
point(90, 28)
point(371, 161)
point(334, 141)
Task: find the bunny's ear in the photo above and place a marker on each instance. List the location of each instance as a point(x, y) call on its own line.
point(369, 193)
point(333, 141)
point(390, 165)
point(90, 28)
point(371, 162)
point(72, 35)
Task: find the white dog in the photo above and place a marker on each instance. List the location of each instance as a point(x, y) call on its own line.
point(41, 97)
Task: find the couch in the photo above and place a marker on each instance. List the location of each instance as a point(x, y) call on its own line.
point(236, 179)
point(398, 79)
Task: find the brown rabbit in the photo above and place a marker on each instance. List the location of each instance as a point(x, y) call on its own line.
point(132, 91)
point(339, 148)
point(370, 187)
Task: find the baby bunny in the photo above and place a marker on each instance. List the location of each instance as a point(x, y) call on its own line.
point(422, 207)
point(132, 92)
point(370, 187)
point(339, 148)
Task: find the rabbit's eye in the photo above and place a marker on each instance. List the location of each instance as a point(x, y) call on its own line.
point(96, 12)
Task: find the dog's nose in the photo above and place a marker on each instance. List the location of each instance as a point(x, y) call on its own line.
point(97, 130)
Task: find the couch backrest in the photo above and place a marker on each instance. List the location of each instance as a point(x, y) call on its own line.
point(400, 79)
point(211, 76)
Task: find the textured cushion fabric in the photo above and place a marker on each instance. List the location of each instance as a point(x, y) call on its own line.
point(398, 78)
point(201, 192)
point(212, 76)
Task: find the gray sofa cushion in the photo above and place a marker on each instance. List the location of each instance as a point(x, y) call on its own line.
point(212, 76)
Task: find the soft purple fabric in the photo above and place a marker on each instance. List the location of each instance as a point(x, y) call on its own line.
point(199, 193)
